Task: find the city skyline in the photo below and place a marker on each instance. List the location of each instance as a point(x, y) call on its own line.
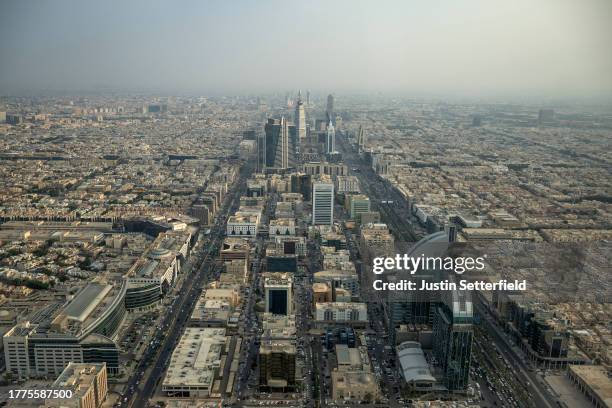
point(394, 204)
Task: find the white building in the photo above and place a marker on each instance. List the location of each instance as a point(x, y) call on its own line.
point(347, 184)
point(243, 224)
point(330, 143)
point(282, 226)
point(341, 312)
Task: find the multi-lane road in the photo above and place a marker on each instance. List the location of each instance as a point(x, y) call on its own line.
point(148, 374)
point(392, 206)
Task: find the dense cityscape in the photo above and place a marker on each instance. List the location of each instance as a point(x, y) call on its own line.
point(217, 251)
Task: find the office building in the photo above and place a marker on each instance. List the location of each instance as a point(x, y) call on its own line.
point(330, 139)
point(339, 279)
point(243, 224)
point(278, 290)
point(358, 204)
point(322, 203)
point(453, 335)
point(235, 248)
point(341, 312)
point(301, 183)
point(329, 110)
point(81, 331)
point(277, 353)
point(201, 212)
point(331, 169)
point(279, 147)
point(300, 119)
point(361, 139)
point(282, 226)
point(347, 185)
point(88, 383)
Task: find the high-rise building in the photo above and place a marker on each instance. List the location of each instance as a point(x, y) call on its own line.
point(330, 106)
point(322, 203)
point(361, 139)
point(300, 183)
point(278, 289)
point(330, 140)
point(278, 150)
point(453, 336)
point(300, 119)
point(277, 353)
point(359, 204)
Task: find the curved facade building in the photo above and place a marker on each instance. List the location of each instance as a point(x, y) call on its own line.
point(142, 294)
point(415, 307)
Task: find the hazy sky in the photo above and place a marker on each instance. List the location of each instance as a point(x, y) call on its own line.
point(544, 47)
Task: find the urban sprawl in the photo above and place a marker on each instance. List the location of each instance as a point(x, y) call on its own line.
point(219, 251)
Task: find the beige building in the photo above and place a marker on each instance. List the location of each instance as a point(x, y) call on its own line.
point(354, 386)
point(594, 382)
point(88, 383)
point(376, 240)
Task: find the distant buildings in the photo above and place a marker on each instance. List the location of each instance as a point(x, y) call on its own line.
point(13, 119)
point(300, 119)
point(329, 110)
point(546, 116)
point(361, 139)
point(322, 203)
point(330, 139)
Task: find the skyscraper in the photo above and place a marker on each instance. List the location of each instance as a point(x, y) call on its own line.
point(330, 140)
point(330, 106)
point(361, 139)
point(300, 118)
point(278, 150)
point(322, 203)
point(453, 336)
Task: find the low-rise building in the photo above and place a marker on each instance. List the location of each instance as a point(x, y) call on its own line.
point(195, 363)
